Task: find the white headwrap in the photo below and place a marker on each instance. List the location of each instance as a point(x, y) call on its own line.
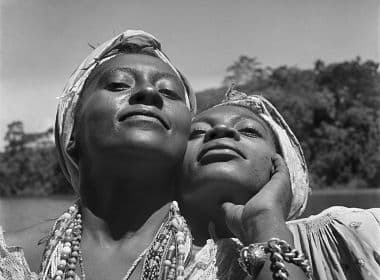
point(291, 149)
point(72, 91)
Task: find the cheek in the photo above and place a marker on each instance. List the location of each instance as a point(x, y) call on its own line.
point(101, 111)
point(97, 118)
point(192, 150)
point(180, 117)
point(261, 164)
point(189, 165)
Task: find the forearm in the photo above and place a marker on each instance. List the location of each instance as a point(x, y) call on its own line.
point(261, 229)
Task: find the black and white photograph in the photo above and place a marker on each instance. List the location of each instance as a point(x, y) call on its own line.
point(189, 140)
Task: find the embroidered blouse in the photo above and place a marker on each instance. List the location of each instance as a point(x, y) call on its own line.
point(341, 243)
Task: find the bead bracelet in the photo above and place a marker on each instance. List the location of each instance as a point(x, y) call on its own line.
point(253, 257)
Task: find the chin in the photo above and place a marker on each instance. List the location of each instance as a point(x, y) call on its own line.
point(143, 133)
point(232, 177)
point(213, 191)
point(231, 174)
point(135, 146)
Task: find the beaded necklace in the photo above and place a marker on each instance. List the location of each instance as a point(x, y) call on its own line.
point(165, 257)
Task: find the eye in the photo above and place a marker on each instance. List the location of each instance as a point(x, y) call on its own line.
point(117, 86)
point(250, 132)
point(198, 129)
point(171, 94)
point(196, 132)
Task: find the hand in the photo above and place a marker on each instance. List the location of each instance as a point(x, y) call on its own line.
point(272, 203)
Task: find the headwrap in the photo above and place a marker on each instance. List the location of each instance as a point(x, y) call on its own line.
point(291, 149)
point(125, 42)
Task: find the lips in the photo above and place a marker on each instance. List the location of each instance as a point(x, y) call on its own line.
point(142, 111)
point(220, 148)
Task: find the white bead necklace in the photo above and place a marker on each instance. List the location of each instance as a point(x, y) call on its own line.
point(165, 256)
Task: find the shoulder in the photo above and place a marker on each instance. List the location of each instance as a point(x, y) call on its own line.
point(340, 237)
point(27, 241)
point(350, 217)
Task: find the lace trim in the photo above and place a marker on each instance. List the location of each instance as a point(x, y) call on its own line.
point(13, 265)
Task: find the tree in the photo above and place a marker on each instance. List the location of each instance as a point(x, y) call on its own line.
point(350, 138)
point(244, 70)
point(29, 169)
point(14, 136)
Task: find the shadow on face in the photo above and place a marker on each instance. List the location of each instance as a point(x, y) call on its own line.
point(228, 158)
point(132, 109)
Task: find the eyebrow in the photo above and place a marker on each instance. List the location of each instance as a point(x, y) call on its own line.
point(236, 119)
point(155, 76)
point(124, 69)
point(160, 75)
point(255, 118)
point(105, 74)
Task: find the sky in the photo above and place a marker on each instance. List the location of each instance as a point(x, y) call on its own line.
point(42, 41)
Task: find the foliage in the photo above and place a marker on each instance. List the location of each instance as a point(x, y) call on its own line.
point(242, 71)
point(333, 109)
point(29, 168)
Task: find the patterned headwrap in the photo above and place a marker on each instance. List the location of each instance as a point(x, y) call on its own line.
point(291, 149)
point(128, 41)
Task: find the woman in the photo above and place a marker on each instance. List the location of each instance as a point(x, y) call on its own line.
point(231, 183)
point(121, 133)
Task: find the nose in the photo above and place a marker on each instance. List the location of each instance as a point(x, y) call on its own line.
point(221, 131)
point(147, 95)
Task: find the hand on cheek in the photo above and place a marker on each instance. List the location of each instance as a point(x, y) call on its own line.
point(272, 201)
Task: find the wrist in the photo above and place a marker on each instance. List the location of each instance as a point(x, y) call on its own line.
point(280, 252)
point(265, 225)
point(263, 217)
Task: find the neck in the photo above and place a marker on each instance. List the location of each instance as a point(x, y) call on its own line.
point(202, 208)
point(202, 231)
point(197, 219)
point(105, 233)
point(199, 231)
point(124, 200)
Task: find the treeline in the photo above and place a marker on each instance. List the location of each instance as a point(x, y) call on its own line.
point(29, 165)
point(334, 109)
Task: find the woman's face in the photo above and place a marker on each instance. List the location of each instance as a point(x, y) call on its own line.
point(228, 158)
point(133, 106)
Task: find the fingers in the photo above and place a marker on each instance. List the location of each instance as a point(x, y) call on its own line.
point(279, 165)
point(232, 214)
point(275, 195)
point(280, 182)
point(280, 173)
